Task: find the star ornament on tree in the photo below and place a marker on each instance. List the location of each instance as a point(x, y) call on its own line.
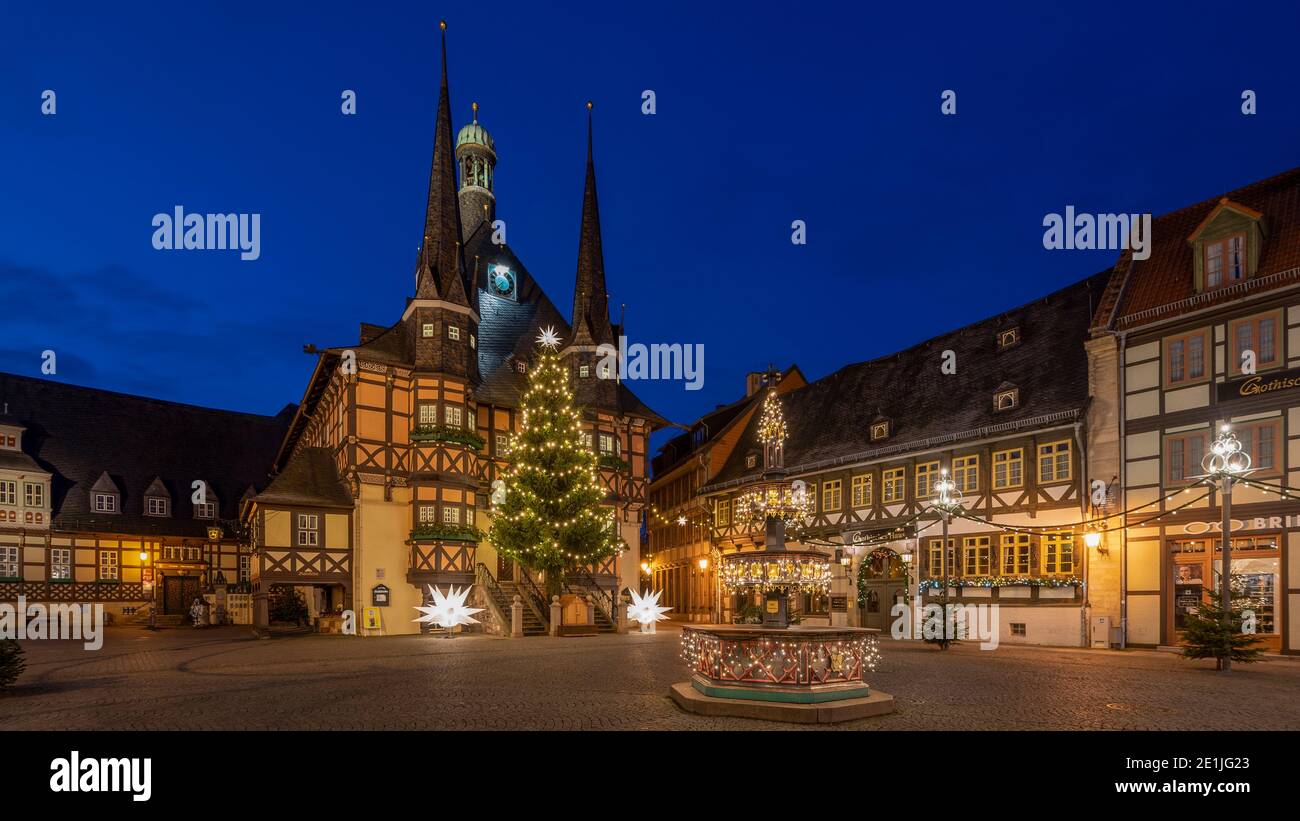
point(449, 610)
point(548, 338)
point(646, 609)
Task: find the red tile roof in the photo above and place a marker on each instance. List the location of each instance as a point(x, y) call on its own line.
point(1162, 285)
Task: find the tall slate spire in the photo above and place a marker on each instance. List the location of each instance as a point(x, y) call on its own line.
point(440, 272)
point(590, 300)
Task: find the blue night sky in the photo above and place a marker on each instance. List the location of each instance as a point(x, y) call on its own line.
point(767, 113)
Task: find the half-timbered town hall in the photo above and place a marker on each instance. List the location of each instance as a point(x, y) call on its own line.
point(382, 485)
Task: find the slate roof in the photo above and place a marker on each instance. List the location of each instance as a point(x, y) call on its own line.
point(829, 419)
point(1166, 276)
point(78, 434)
point(309, 478)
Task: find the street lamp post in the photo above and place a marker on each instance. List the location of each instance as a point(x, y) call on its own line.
point(1226, 461)
point(949, 501)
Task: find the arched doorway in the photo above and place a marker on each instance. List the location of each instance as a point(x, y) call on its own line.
point(882, 583)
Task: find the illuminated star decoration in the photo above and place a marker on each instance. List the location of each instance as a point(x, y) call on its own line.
point(646, 609)
point(448, 610)
point(681, 520)
point(548, 338)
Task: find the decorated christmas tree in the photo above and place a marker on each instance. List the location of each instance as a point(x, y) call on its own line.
point(551, 519)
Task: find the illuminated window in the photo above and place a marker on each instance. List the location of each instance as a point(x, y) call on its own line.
point(60, 563)
point(451, 515)
point(605, 372)
point(1183, 455)
point(8, 562)
point(452, 415)
point(751, 460)
point(1225, 261)
point(1185, 358)
point(1008, 468)
point(892, 483)
point(503, 444)
point(966, 473)
point(935, 566)
point(428, 414)
point(977, 553)
point(1058, 553)
point(1054, 462)
point(879, 430)
point(722, 512)
point(245, 567)
point(831, 495)
point(427, 513)
point(584, 371)
point(1259, 335)
point(453, 332)
point(308, 530)
point(607, 444)
point(108, 564)
point(427, 330)
point(926, 474)
point(34, 494)
point(473, 343)
point(861, 490)
point(8, 492)
point(1015, 554)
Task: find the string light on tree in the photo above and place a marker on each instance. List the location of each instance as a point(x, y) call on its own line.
point(551, 518)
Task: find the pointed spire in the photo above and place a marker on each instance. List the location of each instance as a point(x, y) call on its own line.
point(440, 272)
point(590, 300)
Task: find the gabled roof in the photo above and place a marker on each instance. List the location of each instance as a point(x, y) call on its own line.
point(830, 419)
point(1157, 287)
point(309, 479)
point(89, 438)
point(712, 424)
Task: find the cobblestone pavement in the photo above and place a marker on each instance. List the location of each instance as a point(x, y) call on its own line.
point(222, 679)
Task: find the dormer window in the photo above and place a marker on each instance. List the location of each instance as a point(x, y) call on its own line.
point(155, 506)
point(1226, 245)
point(205, 510)
point(1008, 338)
point(1225, 261)
point(521, 366)
point(1006, 399)
point(751, 461)
point(879, 430)
point(105, 503)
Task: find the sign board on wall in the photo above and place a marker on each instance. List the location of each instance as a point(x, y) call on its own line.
point(1259, 385)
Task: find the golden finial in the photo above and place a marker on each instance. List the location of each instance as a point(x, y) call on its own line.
point(475, 107)
point(589, 105)
point(442, 24)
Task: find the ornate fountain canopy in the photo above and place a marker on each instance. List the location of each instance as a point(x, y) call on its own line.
point(776, 570)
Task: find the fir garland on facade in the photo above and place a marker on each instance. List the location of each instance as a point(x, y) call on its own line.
point(446, 433)
point(998, 581)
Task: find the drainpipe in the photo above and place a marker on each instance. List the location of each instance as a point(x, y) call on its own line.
point(1122, 411)
point(1087, 552)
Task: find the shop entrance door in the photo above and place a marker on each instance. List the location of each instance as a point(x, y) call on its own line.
point(179, 592)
